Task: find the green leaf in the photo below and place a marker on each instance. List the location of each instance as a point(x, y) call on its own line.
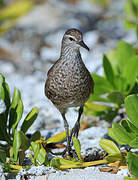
point(134, 143)
point(13, 114)
point(55, 163)
point(131, 72)
point(35, 148)
point(119, 134)
point(120, 84)
point(129, 178)
point(3, 129)
point(97, 98)
point(57, 138)
point(131, 8)
point(24, 140)
point(120, 57)
point(96, 107)
point(102, 86)
point(131, 105)
point(64, 164)
point(29, 120)
point(16, 144)
point(116, 97)
point(35, 136)
point(132, 161)
point(15, 10)
point(77, 146)
point(19, 112)
point(129, 126)
point(41, 157)
point(114, 157)
point(39, 154)
point(108, 70)
point(113, 135)
point(109, 146)
point(2, 156)
point(5, 96)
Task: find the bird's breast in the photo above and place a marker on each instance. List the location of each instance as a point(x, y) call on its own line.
point(69, 83)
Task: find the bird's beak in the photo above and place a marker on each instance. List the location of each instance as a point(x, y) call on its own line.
point(81, 43)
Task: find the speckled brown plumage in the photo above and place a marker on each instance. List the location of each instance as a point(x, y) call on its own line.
point(69, 83)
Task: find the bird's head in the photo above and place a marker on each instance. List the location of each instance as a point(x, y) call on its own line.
point(74, 38)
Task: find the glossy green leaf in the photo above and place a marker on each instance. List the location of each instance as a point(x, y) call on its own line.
point(134, 90)
point(134, 143)
point(102, 85)
point(35, 148)
point(2, 156)
point(16, 144)
point(108, 70)
point(113, 136)
point(7, 98)
point(29, 120)
point(131, 105)
point(19, 112)
point(77, 147)
point(97, 98)
point(5, 95)
point(39, 154)
point(132, 161)
point(13, 107)
point(120, 84)
point(25, 141)
point(41, 157)
point(129, 126)
point(57, 138)
point(96, 107)
point(119, 134)
point(3, 129)
point(109, 146)
point(120, 57)
point(131, 72)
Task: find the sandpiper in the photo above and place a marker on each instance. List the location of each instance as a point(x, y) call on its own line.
point(69, 83)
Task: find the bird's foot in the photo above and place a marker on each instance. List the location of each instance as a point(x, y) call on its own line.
point(68, 153)
point(75, 130)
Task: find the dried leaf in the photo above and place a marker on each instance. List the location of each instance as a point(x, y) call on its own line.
point(112, 170)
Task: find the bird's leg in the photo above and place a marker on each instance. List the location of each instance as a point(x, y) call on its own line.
point(66, 126)
point(75, 129)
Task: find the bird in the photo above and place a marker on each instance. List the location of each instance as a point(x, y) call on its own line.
point(69, 83)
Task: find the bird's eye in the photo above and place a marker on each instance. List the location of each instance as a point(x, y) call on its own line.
point(70, 38)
